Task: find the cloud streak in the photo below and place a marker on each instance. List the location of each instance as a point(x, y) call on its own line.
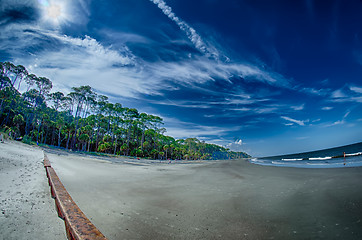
point(347, 94)
point(299, 122)
point(125, 72)
point(180, 129)
point(339, 122)
point(47, 52)
point(191, 33)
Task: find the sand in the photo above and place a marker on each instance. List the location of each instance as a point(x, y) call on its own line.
point(27, 209)
point(213, 200)
point(206, 200)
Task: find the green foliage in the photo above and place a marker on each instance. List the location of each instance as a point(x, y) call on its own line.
point(27, 139)
point(83, 137)
point(104, 147)
point(86, 121)
point(139, 153)
point(18, 120)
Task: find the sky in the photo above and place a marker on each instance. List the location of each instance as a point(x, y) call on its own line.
point(264, 77)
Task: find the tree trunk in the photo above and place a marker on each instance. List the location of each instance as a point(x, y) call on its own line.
point(53, 136)
point(115, 147)
point(67, 146)
point(59, 141)
point(37, 136)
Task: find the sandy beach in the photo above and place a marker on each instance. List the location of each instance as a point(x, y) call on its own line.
point(135, 199)
point(27, 209)
point(212, 200)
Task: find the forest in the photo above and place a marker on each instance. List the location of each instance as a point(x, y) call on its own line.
point(83, 120)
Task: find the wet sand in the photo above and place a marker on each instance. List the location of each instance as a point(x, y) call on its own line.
point(27, 209)
point(212, 200)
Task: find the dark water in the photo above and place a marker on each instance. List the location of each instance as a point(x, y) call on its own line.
point(327, 158)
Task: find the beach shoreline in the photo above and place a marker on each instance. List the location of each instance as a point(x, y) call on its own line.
point(226, 199)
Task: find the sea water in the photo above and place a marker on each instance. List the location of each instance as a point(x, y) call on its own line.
point(345, 156)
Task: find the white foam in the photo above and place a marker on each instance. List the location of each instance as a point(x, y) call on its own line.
point(292, 159)
point(354, 154)
point(257, 161)
point(275, 162)
point(320, 158)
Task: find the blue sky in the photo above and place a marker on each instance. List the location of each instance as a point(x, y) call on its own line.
point(265, 77)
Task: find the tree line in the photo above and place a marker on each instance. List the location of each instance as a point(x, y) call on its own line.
point(83, 120)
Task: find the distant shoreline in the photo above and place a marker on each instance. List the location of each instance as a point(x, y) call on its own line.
point(124, 159)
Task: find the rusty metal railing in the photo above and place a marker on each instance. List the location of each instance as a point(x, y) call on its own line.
point(77, 225)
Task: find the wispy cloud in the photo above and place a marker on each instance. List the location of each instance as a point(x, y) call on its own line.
point(346, 114)
point(200, 70)
point(126, 74)
point(347, 94)
point(339, 122)
point(180, 129)
point(348, 99)
point(191, 33)
point(299, 122)
point(112, 71)
point(97, 51)
point(356, 89)
point(338, 94)
point(69, 60)
point(313, 91)
point(217, 65)
point(298, 107)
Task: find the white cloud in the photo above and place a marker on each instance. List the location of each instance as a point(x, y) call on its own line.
point(70, 61)
point(349, 99)
point(191, 33)
point(298, 107)
point(201, 70)
point(96, 52)
point(299, 122)
point(180, 129)
point(353, 94)
point(86, 59)
point(346, 94)
point(236, 146)
point(339, 122)
point(76, 61)
point(338, 94)
point(314, 91)
point(356, 89)
point(80, 61)
point(346, 115)
point(327, 108)
point(266, 110)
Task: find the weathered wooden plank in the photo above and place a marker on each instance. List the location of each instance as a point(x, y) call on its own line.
point(77, 225)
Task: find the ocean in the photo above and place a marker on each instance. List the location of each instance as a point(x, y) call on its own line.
point(327, 158)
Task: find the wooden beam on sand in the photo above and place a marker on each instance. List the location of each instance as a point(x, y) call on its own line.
point(77, 225)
